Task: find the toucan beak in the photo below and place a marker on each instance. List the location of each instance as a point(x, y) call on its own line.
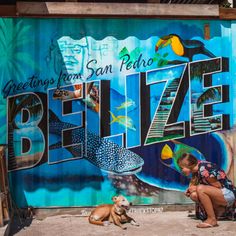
point(163, 42)
point(158, 45)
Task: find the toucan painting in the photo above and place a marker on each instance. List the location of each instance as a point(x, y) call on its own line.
point(184, 48)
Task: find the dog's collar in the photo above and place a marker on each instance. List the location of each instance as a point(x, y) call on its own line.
point(118, 210)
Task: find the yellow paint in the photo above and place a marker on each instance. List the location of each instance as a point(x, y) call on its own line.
point(163, 43)
point(177, 46)
point(166, 152)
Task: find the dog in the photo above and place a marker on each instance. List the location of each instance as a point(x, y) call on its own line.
point(112, 213)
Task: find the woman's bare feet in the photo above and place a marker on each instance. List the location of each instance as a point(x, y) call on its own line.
point(208, 223)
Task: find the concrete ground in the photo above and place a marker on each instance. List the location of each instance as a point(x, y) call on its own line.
point(153, 222)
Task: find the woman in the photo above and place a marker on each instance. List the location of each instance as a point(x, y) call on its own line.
point(211, 187)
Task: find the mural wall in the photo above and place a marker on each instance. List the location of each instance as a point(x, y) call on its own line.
point(90, 108)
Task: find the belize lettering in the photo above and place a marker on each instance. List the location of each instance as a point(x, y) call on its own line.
point(164, 124)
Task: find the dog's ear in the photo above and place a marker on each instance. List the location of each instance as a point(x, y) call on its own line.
point(114, 198)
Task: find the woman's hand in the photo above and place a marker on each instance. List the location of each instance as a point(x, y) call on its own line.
point(187, 193)
point(190, 190)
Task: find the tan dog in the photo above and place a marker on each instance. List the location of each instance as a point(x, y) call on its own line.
point(112, 213)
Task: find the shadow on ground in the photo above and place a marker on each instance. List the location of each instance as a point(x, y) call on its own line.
point(17, 224)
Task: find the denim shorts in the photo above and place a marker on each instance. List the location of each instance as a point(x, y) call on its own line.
point(229, 196)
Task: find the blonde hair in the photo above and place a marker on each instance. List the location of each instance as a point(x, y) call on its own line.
point(194, 180)
point(191, 161)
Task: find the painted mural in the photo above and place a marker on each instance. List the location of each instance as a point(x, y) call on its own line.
point(91, 108)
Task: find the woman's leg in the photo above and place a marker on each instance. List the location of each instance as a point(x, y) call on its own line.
point(194, 197)
point(208, 195)
point(199, 209)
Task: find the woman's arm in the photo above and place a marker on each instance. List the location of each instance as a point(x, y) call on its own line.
point(214, 182)
point(192, 185)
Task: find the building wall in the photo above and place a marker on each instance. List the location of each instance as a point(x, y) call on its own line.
point(91, 108)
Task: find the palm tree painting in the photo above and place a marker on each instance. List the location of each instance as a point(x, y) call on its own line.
point(14, 59)
point(201, 96)
point(14, 37)
point(210, 94)
point(34, 108)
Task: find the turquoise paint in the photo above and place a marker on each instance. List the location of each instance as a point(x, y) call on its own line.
point(41, 51)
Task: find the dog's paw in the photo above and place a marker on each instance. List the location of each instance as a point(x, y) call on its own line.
point(134, 223)
point(106, 223)
point(123, 227)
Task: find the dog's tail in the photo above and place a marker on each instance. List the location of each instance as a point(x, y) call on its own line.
point(94, 221)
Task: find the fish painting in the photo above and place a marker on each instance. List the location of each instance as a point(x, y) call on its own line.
point(131, 185)
point(126, 104)
point(125, 121)
point(174, 155)
point(101, 152)
point(160, 167)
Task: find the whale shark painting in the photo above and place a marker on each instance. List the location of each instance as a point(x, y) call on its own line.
point(103, 153)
